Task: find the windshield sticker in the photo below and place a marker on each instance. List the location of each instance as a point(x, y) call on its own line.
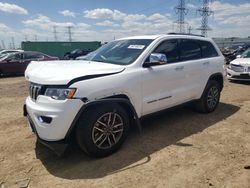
point(138, 47)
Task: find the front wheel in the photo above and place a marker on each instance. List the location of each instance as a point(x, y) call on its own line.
point(102, 129)
point(210, 98)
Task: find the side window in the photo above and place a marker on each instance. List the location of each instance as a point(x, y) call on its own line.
point(189, 50)
point(170, 49)
point(15, 57)
point(208, 49)
point(38, 56)
point(31, 56)
point(18, 56)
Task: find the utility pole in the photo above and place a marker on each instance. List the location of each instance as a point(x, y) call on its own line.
point(3, 44)
point(35, 37)
point(205, 12)
point(189, 29)
point(70, 33)
point(55, 33)
point(181, 10)
point(13, 42)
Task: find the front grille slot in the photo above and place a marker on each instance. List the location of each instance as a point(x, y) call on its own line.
point(34, 90)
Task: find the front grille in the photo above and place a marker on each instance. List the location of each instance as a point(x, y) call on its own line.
point(35, 90)
point(242, 76)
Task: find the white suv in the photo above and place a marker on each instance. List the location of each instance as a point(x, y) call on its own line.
point(98, 99)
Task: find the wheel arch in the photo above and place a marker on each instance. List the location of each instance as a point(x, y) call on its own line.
point(219, 78)
point(120, 99)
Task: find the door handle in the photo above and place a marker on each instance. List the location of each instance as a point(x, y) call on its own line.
point(206, 63)
point(179, 68)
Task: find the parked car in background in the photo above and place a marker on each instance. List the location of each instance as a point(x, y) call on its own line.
point(76, 53)
point(5, 52)
point(239, 69)
point(85, 57)
point(16, 63)
point(231, 54)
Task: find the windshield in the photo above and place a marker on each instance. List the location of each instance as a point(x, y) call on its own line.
point(5, 56)
point(121, 52)
point(246, 54)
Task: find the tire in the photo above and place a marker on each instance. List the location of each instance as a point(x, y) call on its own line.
point(101, 130)
point(210, 98)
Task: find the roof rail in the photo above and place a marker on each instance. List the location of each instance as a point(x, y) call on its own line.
point(186, 34)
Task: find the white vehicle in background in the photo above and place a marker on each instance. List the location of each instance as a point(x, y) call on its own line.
point(98, 99)
point(239, 69)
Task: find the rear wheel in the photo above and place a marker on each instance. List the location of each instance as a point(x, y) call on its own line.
point(102, 130)
point(210, 98)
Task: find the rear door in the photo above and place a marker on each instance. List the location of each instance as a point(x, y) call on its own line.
point(194, 70)
point(212, 62)
point(200, 59)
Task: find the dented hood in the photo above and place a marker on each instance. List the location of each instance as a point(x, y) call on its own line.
point(63, 72)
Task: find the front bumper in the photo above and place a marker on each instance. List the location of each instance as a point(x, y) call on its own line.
point(232, 75)
point(58, 147)
point(61, 114)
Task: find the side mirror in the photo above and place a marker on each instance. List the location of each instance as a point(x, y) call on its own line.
point(156, 59)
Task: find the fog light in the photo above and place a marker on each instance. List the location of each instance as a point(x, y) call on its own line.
point(45, 119)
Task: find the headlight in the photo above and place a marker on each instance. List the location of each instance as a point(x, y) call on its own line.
point(60, 93)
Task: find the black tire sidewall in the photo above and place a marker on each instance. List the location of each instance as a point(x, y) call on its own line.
point(86, 124)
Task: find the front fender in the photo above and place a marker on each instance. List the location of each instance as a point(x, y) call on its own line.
point(121, 101)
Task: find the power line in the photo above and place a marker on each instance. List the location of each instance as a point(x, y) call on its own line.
point(181, 10)
point(205, 12)
point(157, 6)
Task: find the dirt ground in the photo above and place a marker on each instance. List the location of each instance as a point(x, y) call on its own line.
point(177, 148)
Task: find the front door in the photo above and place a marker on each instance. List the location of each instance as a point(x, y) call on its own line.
point(160, 82)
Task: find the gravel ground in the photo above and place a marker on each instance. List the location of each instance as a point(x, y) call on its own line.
point(177, 148)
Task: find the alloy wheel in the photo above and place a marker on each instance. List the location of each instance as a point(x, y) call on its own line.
point(212, 97)
point(107, 130)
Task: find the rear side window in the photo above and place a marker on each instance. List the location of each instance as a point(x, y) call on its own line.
point(208, 49)
point(170, 49)
point(189, 50)
point(32, 56)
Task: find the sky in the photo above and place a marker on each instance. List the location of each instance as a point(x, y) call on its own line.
point(106, 20)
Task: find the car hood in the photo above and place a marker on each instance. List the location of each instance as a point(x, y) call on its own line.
point(241, 61)
point(64, 72)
